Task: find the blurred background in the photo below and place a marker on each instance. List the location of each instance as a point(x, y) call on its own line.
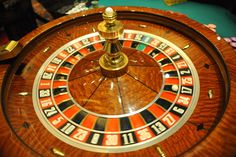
point(19, 17)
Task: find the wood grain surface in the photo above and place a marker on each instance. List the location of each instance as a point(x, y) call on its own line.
point(210, 131)
point(102, 95)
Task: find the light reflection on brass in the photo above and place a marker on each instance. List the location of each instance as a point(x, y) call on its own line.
point(46, 49)
point(94, 30)
point(10, 50)
point(161, 152)
point(114, 62)
point(23, 93)
point(185, 47)
point(57, 152)
point(142, 26)
point(210, 94)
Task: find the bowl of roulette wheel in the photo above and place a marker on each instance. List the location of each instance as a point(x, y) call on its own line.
point(121, 81)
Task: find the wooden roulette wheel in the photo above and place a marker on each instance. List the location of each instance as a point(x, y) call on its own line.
point(165, 86)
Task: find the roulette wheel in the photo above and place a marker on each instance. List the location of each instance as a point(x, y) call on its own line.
point(126, 81)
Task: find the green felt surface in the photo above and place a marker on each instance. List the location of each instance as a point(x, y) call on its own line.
point(201, 12)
